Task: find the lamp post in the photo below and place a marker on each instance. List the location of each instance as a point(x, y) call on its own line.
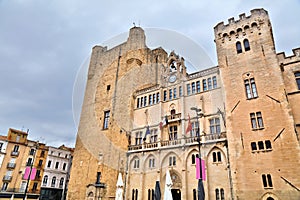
point(31, 165)
point(201, 193)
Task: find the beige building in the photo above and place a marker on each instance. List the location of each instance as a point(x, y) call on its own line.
point(139, 103)
point(21, 153)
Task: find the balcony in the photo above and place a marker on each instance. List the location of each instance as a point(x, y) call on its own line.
point(206, 139)
point(174, 117)
point(7, 178)
point(11, 165)
point(14, 153)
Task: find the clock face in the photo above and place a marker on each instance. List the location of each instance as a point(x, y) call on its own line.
point(172, 78)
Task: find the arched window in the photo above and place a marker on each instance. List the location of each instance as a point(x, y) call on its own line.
point(270, 198)
point(222, 194)
point(61, 183)
point(136, 194)
point(238, 47)
point(217, 194)
point(45, 180)
point(246, 45)
point(53, 181)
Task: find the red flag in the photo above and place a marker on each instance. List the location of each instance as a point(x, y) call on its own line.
point(160, 125)
point(189, 127)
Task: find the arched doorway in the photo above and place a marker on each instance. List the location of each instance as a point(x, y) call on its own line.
point(270, 198)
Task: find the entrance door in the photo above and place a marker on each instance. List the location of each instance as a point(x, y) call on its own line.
point(176, 194)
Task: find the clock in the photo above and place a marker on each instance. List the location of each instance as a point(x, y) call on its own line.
point(172, 78)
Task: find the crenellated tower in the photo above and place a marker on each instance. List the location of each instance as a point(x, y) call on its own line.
point(260, 126)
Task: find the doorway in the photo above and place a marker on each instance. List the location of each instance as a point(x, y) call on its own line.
point(176, 194)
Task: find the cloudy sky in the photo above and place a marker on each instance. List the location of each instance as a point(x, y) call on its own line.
point(44, 43)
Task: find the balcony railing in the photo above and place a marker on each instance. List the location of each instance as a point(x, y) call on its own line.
point(174, 117)
point(206, 139)
point(7, 178)
point(11, 165)
point(14, 153)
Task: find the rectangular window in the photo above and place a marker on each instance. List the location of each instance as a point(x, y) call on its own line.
point(214, 82)
point(193, 88)
point(268, 144)
point(165, 95)
point(16, 148)
point(64, 166)
point(157, 97)
point(180, 91)
point(56, 165)
point(260, 145)
point(297, 76)
point(138, 137)
point(40, 163)
point(214, 126)
point(154, 98)
point(198, 86)
point(1, 144)
point(29, 162)
point(174, 93)
point(49, 163)
point(145, 101)
point(170, 94)
point(141, 102)
point(172, 161)
point(106, 119)
point(250, 88)
point(256, 120)
point(188, 89)
point(31, 152)
point(153, 136)
point(194, 129)
point(267, 180)
point(150, 99)
point(253, 146)
point(204, 85)
point(136, 164)
point(209, 83)
point(173, 133)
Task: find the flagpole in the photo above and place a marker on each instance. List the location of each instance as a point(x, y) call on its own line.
point(201, 193)
point(31, 165)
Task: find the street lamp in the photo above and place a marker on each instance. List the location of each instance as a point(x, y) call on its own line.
point(31, 165)
point(201, 193)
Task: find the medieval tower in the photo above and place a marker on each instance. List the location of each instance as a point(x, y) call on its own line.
point(138, 119)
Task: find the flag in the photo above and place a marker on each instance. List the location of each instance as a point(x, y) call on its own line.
point(160, 125)
point(147, 133)
point(31, 172)
point(202, 169)
point(189, 127)
point(27, 172)
point(163, 123)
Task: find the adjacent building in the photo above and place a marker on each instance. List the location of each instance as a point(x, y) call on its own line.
point(56, 173)
point(143, 114)
point(26, 166)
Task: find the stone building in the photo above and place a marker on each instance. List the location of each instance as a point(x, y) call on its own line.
point(140, 103)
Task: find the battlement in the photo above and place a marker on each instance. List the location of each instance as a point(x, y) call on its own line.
point(254, 20)
point(284, 60)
